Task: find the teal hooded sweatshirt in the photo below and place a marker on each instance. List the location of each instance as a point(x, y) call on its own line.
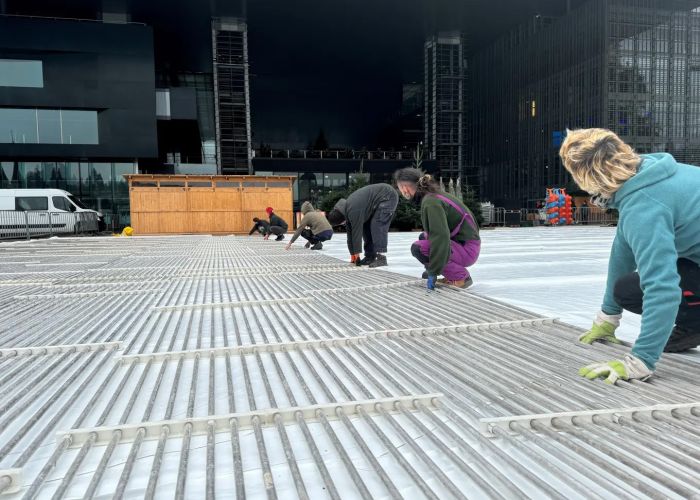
point(659, 223)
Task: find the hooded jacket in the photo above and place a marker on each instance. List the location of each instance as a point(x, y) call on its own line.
point(312, 219)
point(359, 208)
point(659, 223)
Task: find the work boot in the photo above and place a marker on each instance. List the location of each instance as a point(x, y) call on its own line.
point(681, 340)
point(366, 261)
point(308, 244)
point(317, 246)
point(279, 238)
point(379, 261)
point(466, 283)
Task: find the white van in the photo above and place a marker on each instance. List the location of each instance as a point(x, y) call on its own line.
point(42, 211)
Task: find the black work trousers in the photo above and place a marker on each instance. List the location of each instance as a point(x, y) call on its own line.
point(629, 295)
point(375, 231)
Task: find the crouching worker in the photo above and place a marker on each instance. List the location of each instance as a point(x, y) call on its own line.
point(451, 241)
point(653, 267)
point(367, 213)
point(261, 226)
point(277, 225)
point(314, 227)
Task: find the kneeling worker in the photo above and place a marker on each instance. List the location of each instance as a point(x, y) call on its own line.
point(314, 227)
point(654, 266)
point(277, 225)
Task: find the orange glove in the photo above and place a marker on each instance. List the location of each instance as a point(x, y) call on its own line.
point(354, 258)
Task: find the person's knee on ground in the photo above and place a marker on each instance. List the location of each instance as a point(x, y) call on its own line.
point(682, 340)
point(686, 333)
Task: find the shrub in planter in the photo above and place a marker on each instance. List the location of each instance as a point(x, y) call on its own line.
point(407, 216)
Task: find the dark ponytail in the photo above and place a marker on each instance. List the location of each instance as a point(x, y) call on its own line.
point(424, 182)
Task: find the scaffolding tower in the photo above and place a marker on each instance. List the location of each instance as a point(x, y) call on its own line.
point(446, 104)
point(232, 96)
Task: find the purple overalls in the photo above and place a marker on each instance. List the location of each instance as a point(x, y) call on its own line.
point(462, 255)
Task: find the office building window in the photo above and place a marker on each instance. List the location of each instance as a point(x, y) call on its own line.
point(79, 127)
point(49, 122)
point(48, 126)
point(335, 182)
point(18, 126)
point(21, 73)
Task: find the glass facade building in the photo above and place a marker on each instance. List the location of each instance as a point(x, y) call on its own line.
point(48, 126)
point(628, 65)
point(101, 186)
point(204, 87)
point(187, 127)
point(77, 107)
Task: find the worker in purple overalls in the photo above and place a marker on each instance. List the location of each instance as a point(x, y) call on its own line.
point(451, 241)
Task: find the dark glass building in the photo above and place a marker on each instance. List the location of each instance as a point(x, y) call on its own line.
point(411, 119)
point(632, 66)
point(77, 107)
point(111, 87)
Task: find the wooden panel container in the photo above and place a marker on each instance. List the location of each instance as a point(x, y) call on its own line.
point(205, 204)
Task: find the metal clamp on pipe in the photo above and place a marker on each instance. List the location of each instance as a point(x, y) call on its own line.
point(10, 481)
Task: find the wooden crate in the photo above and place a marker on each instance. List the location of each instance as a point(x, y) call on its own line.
point(205, 204)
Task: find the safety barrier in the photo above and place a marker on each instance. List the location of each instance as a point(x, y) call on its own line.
point(15, 224)
point(592, 216)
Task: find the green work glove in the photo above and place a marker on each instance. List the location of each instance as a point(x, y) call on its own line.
point(629, 368)
point(603, 328)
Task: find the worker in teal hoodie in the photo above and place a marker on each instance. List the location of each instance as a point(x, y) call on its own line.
point(653, 268)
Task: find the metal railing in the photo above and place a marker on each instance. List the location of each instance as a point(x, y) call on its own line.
point(15, 224)
point(340, 154)
point(499, 216)
point(117, 220)
point(594, 216)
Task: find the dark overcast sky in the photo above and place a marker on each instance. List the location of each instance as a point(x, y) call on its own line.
point(336, 64)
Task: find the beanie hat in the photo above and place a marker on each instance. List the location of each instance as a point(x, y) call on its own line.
point(269, 210)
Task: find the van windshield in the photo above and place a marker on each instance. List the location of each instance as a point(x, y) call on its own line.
point(76, 201)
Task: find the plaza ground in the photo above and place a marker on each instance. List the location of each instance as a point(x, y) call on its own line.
point(192, 366)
